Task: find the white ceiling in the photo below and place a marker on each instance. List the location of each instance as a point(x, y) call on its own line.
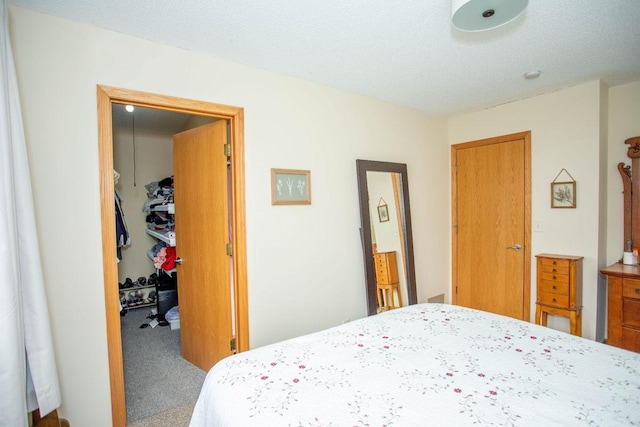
point(162, 122)
point(405, 52)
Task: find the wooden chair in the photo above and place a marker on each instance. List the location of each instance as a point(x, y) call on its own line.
point(387, 280)
point(49, 420)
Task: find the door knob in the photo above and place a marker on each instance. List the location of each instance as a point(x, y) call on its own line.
point(178, 260)
point(515, 247)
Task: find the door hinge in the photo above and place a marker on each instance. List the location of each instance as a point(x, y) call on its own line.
point(227, 149)
point(229, 249)
point(232, 345)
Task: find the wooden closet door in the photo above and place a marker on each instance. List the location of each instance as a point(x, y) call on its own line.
point(491, 218)
point(202, 233)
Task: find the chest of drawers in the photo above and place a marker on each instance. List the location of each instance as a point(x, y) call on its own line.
point(623, 306)
point(387, 280)
point(559, 289)
point(386, 267)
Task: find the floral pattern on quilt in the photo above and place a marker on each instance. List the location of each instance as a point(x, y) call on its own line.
point(427, 364)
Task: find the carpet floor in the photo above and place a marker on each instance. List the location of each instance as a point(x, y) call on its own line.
point(178, 417)
point(157, 379)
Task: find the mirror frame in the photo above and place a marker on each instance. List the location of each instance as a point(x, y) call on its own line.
point(364, 166)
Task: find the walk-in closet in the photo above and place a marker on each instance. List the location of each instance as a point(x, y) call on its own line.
point(157, 377)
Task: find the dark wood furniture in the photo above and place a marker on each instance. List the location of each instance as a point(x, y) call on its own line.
point(623, 281)
point(623, 306)
point(559, 289)
point(50, 420)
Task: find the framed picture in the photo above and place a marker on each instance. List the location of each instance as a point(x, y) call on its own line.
point(563, 194)
point(290, 187)
point(383, 213)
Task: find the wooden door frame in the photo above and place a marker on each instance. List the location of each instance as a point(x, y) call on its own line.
point(106, 96)
point(526, 136)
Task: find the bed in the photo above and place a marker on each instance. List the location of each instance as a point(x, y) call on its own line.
point(426, 364)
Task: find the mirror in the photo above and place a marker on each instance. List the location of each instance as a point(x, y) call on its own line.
point(385, 217)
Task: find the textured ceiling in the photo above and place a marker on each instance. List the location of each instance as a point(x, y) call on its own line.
point(162, 122)
point(405, 52)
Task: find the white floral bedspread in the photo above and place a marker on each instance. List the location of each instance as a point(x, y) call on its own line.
point(425, 365)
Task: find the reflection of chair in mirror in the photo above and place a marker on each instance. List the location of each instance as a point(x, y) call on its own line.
point(387, 281)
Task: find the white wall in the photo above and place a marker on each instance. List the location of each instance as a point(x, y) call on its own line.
point(582, 129)
point(153, 162)
point(624, 123)
point(565, 133)
point(299, 257)
point(289, 124)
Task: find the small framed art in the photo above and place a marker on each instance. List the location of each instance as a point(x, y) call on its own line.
point(290, 187)
point(383, 211)
point(563, 194)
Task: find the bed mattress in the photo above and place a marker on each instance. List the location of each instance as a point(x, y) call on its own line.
point(425, 364)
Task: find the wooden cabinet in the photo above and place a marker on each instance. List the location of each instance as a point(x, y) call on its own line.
point(623, 306)
point(386, 267)
point(559, 289)
point(387, 281)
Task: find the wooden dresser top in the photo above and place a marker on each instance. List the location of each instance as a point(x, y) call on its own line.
point(569, 257)
point(622, 270)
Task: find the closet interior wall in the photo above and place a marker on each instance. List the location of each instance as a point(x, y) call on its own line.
point(152, 161)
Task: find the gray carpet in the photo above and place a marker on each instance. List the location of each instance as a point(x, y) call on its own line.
point(178, 417)
point(156, 377)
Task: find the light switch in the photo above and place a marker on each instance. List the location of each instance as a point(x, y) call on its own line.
point(537, 226)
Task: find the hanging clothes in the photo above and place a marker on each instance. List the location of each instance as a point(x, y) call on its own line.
point(122, 232)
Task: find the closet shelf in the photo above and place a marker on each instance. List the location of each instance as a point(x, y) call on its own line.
point(169, 208)
point(135, 288)
point(171, 241)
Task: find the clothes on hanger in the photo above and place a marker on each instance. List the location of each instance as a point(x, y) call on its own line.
point(123, 238)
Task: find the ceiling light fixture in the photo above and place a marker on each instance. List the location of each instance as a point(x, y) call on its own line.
point(129, 108)
point(530, 75)
point(482, 15)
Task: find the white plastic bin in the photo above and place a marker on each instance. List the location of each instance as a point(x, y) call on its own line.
point(173, 317)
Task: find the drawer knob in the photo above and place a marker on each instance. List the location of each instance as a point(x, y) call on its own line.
point(554, 277)
point(554, 262)
point(554, 270)
point(637, 290)
point(554, 287)
point(554, 300)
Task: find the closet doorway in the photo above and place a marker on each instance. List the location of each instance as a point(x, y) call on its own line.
point(236, 259)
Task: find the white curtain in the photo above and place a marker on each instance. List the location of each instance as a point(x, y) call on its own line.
point(28, 376)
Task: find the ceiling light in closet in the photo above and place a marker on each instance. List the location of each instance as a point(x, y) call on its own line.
point(129, 108)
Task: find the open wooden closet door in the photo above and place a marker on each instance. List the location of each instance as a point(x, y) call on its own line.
point(202, 235)
point(231, 116)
